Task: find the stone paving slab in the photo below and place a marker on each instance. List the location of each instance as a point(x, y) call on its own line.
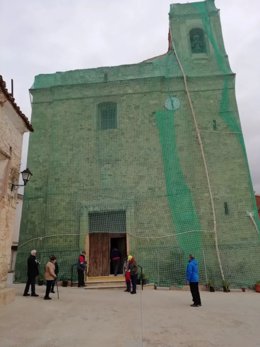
point(113, 318)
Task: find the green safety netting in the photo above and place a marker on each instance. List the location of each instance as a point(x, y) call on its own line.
point(148, 157)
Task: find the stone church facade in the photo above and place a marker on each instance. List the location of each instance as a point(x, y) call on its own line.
point(148, 158)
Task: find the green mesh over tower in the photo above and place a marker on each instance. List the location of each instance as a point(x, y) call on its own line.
point(178, 193)
point(148, 158)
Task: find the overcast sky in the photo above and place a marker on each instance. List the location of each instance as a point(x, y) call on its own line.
point(45, 36)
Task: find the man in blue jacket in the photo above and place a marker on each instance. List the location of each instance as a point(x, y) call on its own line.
point(192, 276)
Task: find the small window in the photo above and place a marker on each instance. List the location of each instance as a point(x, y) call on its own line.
point(197, 41)
point(107, 115)
point(226, 209)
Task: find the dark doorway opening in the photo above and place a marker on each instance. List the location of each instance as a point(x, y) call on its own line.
point(118, 242)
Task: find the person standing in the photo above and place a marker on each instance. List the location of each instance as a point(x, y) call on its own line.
point(56, 273)
point(127, 274)
point(192, 276)
point(81, 268)
point(49, 276)
point(115, 259)
point(32, 273)
point(132, 266)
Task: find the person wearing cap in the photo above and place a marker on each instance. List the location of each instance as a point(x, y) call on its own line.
point(49, 276)
point(32, 273)
point(132, 266)
point(81, 268)
point(192, 276)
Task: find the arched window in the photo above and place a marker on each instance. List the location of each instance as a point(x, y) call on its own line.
point(107, 115)
point(197, 41)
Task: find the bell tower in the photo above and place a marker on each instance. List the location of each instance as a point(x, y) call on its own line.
point(196, 35)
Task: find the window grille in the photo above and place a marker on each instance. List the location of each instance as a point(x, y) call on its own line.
point(110, 221)
point(107, 114)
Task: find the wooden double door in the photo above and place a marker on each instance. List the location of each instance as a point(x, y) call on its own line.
point(100, 246)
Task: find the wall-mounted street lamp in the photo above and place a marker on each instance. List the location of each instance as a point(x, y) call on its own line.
point(26, 175)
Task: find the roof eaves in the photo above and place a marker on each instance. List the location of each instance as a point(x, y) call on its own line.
point(11, 99)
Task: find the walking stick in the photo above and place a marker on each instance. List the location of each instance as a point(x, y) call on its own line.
point(58, 294)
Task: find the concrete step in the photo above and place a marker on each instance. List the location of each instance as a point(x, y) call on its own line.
point(105, 286)
point(110, 278)
point(105, 282)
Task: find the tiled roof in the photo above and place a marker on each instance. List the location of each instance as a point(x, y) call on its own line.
point(11, 99)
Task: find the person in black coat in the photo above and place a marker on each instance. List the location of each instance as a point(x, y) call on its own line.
point(32, 273)
point(132, 266)
point(115, 259)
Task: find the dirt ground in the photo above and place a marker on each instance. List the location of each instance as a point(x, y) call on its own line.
point(113, 318)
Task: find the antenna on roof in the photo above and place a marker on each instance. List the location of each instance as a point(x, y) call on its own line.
point(12, 87)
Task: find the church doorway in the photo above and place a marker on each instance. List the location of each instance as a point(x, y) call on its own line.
point(107, 230)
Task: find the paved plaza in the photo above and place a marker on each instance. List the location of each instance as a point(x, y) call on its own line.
point(113, 318)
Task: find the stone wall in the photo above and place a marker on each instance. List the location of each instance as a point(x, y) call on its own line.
point(80, 166)
point(12, 128)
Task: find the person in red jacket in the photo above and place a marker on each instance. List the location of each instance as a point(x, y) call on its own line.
point(81, 268)
point(132, 267)
point(127, 276)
